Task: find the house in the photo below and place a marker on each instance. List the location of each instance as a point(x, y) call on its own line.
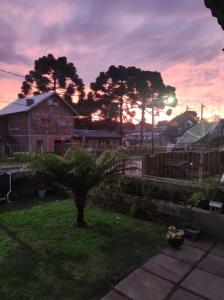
point(38, 123)
point(101, 139)
point(133, 138)
point(207, 132)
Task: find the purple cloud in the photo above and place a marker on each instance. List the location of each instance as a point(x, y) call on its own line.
point(168, 36)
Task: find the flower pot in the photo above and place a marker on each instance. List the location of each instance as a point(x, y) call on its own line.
point(192, 233)
point(42, 193)
point(176, 243)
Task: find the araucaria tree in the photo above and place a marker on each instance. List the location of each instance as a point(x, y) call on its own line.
point(112, 90)
point(53, 74)
point(79, 171)
point(217, 9)
point(150, 92)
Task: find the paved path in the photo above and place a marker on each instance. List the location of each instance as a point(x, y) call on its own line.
point(194, 272)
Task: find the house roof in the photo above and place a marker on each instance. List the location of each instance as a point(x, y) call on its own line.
point(79, 133)
point(20, 105)
point(199, 131)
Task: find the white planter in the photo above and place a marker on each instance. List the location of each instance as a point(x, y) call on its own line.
point(42, 193)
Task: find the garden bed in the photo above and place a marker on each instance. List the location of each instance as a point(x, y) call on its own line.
point(155, 209)
point(44, 257)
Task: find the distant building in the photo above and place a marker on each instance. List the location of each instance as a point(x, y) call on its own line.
point(210, 133)
point(133, 138)
point(36, 123)
point(101, 139)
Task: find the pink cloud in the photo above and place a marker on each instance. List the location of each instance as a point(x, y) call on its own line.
point(180, 39)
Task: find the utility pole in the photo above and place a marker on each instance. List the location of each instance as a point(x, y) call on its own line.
point(201, 161)
point(187, 107)
point(153, 123)
point(202, 111)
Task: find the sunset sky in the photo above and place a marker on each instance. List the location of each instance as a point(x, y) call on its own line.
point(178, 38)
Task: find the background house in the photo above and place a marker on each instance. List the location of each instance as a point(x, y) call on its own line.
point(37, 123)
point(207, 132)
point(102, 139)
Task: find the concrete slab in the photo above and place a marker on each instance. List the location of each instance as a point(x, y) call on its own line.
point(213, 264)
point(145, 286)
point(113, 296)
point(218, 250)
point(186, 253)
point(203, 244)
point(167, 267)
point(184, 295)
point(205, 284)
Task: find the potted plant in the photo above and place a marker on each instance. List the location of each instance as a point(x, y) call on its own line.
point(42, 191)
point(175, 237)
point(191, 228)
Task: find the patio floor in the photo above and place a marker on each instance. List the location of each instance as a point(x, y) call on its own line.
point(194, 272)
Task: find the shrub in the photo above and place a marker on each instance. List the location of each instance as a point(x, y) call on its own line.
point(195, 199)
point(138, 209)
point(129, 185)
point(24, 156)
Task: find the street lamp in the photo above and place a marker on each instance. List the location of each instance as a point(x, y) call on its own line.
point(171, 100)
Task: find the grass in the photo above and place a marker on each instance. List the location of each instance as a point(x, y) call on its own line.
point(43, 257)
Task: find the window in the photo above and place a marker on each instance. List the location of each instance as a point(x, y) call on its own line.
point(62, 122)
point(39, 146)
point(45, 122)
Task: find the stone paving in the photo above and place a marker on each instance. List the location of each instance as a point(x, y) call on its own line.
point(193, 272)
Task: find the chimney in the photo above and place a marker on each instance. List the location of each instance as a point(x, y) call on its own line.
point(29, 101)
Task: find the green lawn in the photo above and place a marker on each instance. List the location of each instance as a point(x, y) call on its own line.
point(43, 257)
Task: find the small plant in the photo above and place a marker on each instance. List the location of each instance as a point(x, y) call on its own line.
point(191, 228)
point(24, 156)
point(175, 236)
point(138, 209)
point(195, 199)
point(172, 192)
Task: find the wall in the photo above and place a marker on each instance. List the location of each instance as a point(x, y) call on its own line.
point(49, 119)
point(18, 129)
point(3, 126)
point(50, 123)
point(170, 213)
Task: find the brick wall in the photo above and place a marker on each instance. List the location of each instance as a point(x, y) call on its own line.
point(52, 119)
point(3, 126)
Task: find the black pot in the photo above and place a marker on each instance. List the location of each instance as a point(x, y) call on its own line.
point(176, 243)
point(192, 233)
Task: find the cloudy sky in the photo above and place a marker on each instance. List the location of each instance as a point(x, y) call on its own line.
point(178, 38)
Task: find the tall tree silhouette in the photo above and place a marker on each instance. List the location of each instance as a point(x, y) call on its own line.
point(181, 123)
point(150, 92)
point(53, 74)
point(112, 90)
point(217, 9)
point(87, 106)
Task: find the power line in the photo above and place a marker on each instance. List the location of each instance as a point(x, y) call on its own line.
point(11, 73)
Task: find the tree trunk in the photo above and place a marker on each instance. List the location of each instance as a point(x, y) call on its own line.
point(121, 116)
point(54, 82)
point(153, 125)
point(80, 203)
point(142, 122)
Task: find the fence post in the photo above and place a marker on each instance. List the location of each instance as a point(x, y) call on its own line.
point(145, 160)
point(123, 166)
point(200, 171)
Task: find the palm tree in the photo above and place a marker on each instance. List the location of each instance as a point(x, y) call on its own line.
point(78, 171)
